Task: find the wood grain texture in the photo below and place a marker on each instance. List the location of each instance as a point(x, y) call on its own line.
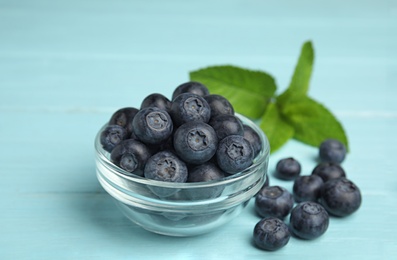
point(66, 66)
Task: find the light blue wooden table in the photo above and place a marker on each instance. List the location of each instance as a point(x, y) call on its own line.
point(66, 66)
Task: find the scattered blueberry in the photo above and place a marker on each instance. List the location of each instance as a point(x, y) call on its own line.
point(332, 150)
point(307, 188)
point(288, 169)
point(328, 171)
point(195, 142)
point(157, 100)
point(219, 105)
point(234, 154)
point(123, 117)
point(340, 197)
point(271, 234)
point(131, 155)
point(191, 87)
point(111, 136)
point(274, 201)
point(190, 107)
point(253, 137)
point(152, 125)
point(309, 220)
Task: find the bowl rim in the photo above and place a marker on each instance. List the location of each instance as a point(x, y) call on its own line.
point(263, 155)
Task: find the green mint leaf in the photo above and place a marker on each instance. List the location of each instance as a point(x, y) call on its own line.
point(277, 130)
point(299, 85)
point(312, 122)
point(248, 91)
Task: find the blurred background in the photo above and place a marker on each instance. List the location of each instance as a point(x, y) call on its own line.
point(124, 50)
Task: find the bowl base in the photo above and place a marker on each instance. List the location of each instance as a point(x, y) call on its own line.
point(179, 225)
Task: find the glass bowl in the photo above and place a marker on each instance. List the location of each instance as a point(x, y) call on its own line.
point(182, 209)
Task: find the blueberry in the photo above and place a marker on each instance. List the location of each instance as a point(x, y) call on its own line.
point(195, 142)
point(166, 166)
point(253, 137)
point(328, 171)
point(307, 188)
point(332, 150)
point(157, 100)
point(234, 154)
point(274, 201)
point(340, 197)
point(309, 220)
point(271, 234)
point(111, 136)
point(225, 125)
point(131, 155)
point(203, 173)
point(219, 105)
point(190, 107)
point(152, 125)
point(123, 117)
point(288, 169)
point(191, 87)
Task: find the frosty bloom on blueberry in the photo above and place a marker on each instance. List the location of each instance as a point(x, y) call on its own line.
point(131, 155)
point(273, 201)
point(205, 172)
point(123, 117)
point(309, 220)
point(340, 197)
point(112, 136)
point(219, 105)
point(195, 142)
point(271, 234)
point(329, 171)
point(234, 154)
point(225, 125)
point(152, 125)
point(307, 188)
point(157, 100)
point(189, 107)
point(166, 166)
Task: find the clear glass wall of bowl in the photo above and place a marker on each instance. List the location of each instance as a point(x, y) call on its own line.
point(182, 209)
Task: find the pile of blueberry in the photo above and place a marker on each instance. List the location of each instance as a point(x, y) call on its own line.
point(325, 192)
point(192, 138)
